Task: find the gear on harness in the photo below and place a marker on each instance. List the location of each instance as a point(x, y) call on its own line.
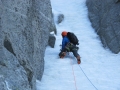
point(70, 47)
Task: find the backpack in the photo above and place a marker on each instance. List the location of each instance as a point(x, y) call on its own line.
point(72, 37)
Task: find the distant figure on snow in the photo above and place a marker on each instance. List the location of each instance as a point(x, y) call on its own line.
point(69, 43)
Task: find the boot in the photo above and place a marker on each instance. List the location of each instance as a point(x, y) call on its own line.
point(78, 60)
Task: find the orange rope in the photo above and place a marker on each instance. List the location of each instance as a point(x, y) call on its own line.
point(74, 76)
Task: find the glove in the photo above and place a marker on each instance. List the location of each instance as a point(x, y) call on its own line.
point(62, 54)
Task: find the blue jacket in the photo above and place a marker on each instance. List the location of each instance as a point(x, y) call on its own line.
point(65, 41)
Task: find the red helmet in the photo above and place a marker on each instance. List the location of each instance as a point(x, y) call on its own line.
point(64, 33)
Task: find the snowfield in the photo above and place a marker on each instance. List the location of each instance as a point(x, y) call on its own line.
point(99, 68)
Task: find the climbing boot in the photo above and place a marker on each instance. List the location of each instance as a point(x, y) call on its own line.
point(78, 60)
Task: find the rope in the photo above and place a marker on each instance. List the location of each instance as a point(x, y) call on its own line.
point(74, 76)
point(84, 74)
point(88, 78)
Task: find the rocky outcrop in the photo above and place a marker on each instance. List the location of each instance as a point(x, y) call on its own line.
point(25, 26)
point(105, 18)
point(51, 41)
point(60, 18)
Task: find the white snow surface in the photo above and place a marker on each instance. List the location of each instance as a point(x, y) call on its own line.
point(99, 68)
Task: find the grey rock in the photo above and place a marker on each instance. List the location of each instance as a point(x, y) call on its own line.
point(60, 18)
point(24, 33)
point(105, 18)
point(3, 83)
point(51, 41)
point(117, 1)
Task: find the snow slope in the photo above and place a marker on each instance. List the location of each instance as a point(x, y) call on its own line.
point(99, 68)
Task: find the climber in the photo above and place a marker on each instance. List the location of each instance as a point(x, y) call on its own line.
point(68, 46)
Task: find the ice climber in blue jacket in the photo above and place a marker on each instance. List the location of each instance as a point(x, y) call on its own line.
point(67, 46)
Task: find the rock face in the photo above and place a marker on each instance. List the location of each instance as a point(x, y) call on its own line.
point(25, 26)
point(105, 18)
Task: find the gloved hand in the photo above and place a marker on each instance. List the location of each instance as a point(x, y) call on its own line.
point(62, 54)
